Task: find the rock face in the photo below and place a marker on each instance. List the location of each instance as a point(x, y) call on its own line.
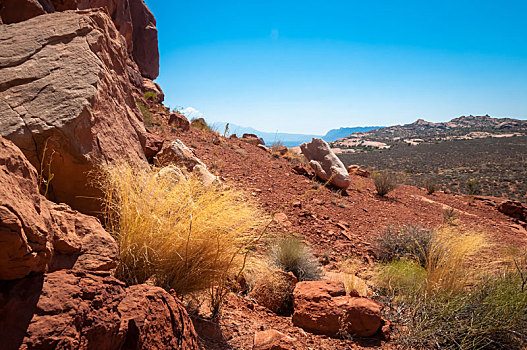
point(37, 235)
point(132, 18)
point(176, 153)
point(66, 99)
point(323, 307)
point(275, 291)
point(68, 309)
point(325, 163)
point(179, 121)
point(515, 209)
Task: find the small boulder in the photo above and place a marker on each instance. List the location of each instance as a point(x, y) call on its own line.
point(274, 291)
point(357, 170)
point(179, 121)
point(273, 340)
point(322, 307)
point(177, 154)
point(514, 209)
point(252, 139)
point(325, 163)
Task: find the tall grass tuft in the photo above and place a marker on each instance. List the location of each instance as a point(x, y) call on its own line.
point(385, 182)
point(177, 233)
point(292, 255)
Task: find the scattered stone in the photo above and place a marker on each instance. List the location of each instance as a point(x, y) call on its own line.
point(282, 220)
point(514, 209)
point(357, 170)
point(275, 291)
point(322, 307)
point(300, 170)
point(179, 121)
point(273, 340)
point(325, 163)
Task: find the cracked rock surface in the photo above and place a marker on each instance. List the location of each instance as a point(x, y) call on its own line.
point(66, 100)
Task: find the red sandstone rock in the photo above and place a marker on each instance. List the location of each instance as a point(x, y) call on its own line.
point(273, 340)
point(323, 307)
point(145, 50)
point(252, 139)
point(13, 11)
point(515, 209)
point(153, 146)
point(275, 290)
point(179, 121)
point(68, 309)
point(65, 84)
point(357, 170)
point(36, 234)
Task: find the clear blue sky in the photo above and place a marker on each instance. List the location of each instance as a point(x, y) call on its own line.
point(309, 66)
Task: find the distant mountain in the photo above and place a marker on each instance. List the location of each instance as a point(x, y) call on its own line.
point(422, 131)
point(287, 139)
point(335, 134)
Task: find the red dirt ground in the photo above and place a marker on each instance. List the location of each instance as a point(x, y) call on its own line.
point(333, 224)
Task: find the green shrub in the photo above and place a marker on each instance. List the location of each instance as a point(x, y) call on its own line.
point(147, 116)
point(384, 182)
point(292, 255)
point(150, 95)
point(407, 241)
point(473, 187)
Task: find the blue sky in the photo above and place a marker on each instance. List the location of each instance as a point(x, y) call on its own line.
point(310, 66)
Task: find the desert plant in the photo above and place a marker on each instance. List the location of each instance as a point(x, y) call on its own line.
point(384, 182)
point(291, 254)
point(431, 186)
point(44, 180)
point(406, 241)
point(473, 187)
point(179, 234)
point(150, 95)
point(450, 216)
point(147, 115)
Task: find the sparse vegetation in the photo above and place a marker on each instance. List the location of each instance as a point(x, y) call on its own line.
point(147, 115)
point(384, 182)
point(150, 95)
point(450, 216)
point(431, 186)
point(473, 187)
point(291, 254)
point(407, 241)
point(180, 235)
point(452, 301)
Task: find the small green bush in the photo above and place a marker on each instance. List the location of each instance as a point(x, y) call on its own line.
point(384, 182)
point(150, 95)
point(292, 255)
point(407, 241)
point(473, 187)
point(147, 116)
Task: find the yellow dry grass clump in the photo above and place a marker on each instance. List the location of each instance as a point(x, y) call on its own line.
point(178, 234)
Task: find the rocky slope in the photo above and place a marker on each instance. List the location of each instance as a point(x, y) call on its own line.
point(68, 88)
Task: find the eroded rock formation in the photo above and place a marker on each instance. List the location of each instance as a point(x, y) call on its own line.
point(66, 99)
point(78, 310)
point(37, 235)
point(132, 19)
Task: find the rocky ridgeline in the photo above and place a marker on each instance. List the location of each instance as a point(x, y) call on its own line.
point(69, 80)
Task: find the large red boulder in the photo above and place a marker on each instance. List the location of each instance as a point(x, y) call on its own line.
point(77, 310)
point(13, 11)
point(66, 100)
point(37, 235)
point(515, 209)
point(323, 307)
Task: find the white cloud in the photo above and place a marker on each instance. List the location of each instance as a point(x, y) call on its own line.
point(191, 112)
